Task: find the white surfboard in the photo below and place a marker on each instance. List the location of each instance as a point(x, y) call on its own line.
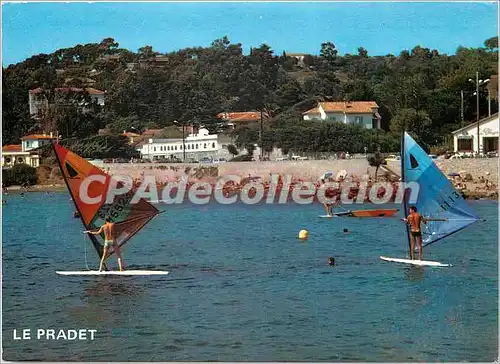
point(326, 216)
point(114, 273)
point(416, 262)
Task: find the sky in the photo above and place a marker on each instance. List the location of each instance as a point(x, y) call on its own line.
point(296, 27)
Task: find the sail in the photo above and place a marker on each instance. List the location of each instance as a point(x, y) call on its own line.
point(437, 198)
point(128, 218)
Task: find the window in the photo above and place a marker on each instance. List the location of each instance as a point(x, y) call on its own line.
point(213, 145)
point(331, 118)
point(413, 162)
point(196, 146)
point(7, 160)
point(154, 149)
point(176, 147)
point(189, 146)
point(465, 145)
point(358, 119)
point(204, 145)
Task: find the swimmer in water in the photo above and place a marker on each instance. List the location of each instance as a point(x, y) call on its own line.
point(331, 261)
point(346, 231)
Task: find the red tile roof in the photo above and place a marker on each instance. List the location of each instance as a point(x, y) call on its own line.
point(312, 111)
point(131, 135)
point(152, 132)
point(240, 116)
point(38, 136)
point(355, 107)
point(12, 148)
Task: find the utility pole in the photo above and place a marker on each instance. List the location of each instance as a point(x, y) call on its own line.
point(477, 111)
point(489, 104)
point(183, 144)
point(462, 105)
point(261, 135)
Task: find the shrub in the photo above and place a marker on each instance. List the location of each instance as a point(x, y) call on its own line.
point(22, 174)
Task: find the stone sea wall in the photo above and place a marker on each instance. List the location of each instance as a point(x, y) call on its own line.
point(305, 170)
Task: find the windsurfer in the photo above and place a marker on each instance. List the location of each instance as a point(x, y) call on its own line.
point(330, 194)
point(109, 241)
point(415, 220)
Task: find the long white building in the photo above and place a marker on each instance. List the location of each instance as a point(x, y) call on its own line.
point(198, 146)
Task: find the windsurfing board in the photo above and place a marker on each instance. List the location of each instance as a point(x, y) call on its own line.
point(114, 273)
point(416, 262)
point(335, 214)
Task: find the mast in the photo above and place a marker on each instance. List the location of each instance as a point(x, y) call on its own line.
point(405, 194)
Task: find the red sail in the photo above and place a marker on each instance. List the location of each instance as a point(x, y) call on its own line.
point(128, 218)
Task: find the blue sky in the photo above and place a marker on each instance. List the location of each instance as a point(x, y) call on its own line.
point(381, 28)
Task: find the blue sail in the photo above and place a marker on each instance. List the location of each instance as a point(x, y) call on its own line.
point(437, 198)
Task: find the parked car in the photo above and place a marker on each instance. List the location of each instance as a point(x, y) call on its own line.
point(432, 156)
point(393, 157)
point(281, 159)
point(206, 160)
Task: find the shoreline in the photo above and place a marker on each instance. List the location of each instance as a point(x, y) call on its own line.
point(466, 194)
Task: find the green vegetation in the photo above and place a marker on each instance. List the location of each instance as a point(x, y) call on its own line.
point(417, 90)
point(376, 160)
point(20, 174)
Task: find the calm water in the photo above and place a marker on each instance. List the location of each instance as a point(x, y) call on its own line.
point(243, 288)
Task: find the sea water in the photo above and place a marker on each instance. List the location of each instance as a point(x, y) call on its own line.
point(243, 287)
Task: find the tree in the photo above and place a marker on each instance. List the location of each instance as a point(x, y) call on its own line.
point(410, 120)
point(491, 43)
point(146, 52)
point(250, 149)
point(376, 160)
point(233, 150)
point(328, 51)
point(362, 52)
point(22, 174)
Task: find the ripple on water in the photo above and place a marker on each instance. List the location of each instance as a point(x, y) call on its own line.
point(245, 292)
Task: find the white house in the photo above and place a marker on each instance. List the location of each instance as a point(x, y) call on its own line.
point(299, 57)
point(364, 113)
point(465, 139)
point(38, 101)
point(197, 146)
point(24, 153)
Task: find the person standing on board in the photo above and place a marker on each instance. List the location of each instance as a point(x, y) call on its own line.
point(109, 241)
point(415, 220)
point(329, 193)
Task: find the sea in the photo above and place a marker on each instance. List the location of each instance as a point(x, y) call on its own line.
point(243, 287)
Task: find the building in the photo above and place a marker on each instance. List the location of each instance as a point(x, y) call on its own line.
point(364, 113)
point(38, 101)
point(234, 119)
point(299, 57)
point(132, 137)
point(24, 152)
point(465, 139)
point(198, 146)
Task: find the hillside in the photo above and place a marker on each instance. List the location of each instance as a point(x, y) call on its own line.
point(417, 90)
